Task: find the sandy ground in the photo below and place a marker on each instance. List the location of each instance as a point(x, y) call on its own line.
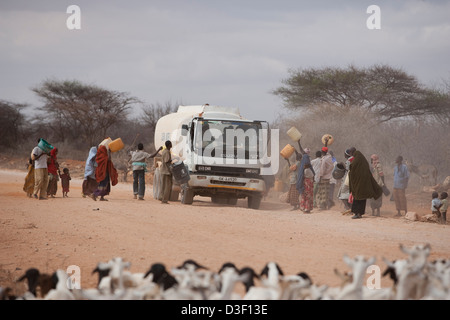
point(60, 232)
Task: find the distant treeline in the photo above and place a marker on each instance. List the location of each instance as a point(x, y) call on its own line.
point(378, 109)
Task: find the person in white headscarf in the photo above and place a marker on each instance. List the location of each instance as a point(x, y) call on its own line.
point(378, 175)
point(89, 182)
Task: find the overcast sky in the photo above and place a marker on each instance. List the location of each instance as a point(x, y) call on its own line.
point(229, 53)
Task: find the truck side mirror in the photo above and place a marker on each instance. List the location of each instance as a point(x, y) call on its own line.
point(184, 130)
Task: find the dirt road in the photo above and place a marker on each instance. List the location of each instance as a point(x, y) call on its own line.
point(78, 231)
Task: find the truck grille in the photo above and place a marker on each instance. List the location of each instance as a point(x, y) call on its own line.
point(227, 171)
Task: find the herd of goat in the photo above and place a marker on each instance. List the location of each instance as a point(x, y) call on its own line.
point(413, 278)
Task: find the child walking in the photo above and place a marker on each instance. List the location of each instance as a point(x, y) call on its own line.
point(65, 178)
point(436, 205)
point(444, 207)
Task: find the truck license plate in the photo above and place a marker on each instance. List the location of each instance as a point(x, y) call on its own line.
point(231, 179)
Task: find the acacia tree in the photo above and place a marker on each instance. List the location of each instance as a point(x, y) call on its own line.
point(381, 90)
point(12, 123)
point(84, 112)
point(154, 111)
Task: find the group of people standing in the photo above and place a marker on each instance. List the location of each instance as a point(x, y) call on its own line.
point(100, 173)
point(312, 182)
point(41, 181)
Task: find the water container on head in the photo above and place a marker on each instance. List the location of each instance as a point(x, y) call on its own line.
point(116, 145)
point(330, 139)
point(45, 146)
point(105, 142)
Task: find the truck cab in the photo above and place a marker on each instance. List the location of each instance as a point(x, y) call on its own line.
point(221, 150)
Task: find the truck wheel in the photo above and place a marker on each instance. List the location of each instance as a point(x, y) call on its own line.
point(157, 184)
point(254, 202)
point(187, 196)
point(232, 200)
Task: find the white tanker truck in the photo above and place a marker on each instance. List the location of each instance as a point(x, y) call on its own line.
point(221, 150)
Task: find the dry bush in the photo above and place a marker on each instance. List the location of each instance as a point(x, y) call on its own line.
point(421, 141)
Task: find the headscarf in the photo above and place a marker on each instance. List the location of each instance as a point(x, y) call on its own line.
point(361, 181)
point(89, 169)
point(105, 167)
point(375, 159)
point(52, 168)
point(301, 173)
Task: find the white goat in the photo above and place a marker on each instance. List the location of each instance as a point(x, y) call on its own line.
point(439, 276)
point(196, 278)
point(413, 280)
point(229, 276)
point(270, 278)
point(63, 291)
point(293, 287)
point(354, 290)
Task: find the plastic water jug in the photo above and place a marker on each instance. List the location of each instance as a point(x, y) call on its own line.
point(116, 145)
point(294, 134)
point(180, 172)
point(287, 151)
point(45, 146)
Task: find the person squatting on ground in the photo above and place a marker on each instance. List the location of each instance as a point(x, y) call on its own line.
point(436, 205)
point(40, 172)
point(139, 167)
point(90, 183)
point(444, 207)
point(378, 175)
point(362, 185)
point(166, 173)
point(53, 169)
point(65, 182)
point(401, 178)
point(105, 173)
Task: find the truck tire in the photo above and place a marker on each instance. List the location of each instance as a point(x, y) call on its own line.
point(232, 200)
point(157, 184)
point(187, 195)
point(254, 202)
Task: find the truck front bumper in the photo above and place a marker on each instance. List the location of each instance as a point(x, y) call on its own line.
point(213, 184)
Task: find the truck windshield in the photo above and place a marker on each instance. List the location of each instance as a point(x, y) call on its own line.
point(228, 139)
